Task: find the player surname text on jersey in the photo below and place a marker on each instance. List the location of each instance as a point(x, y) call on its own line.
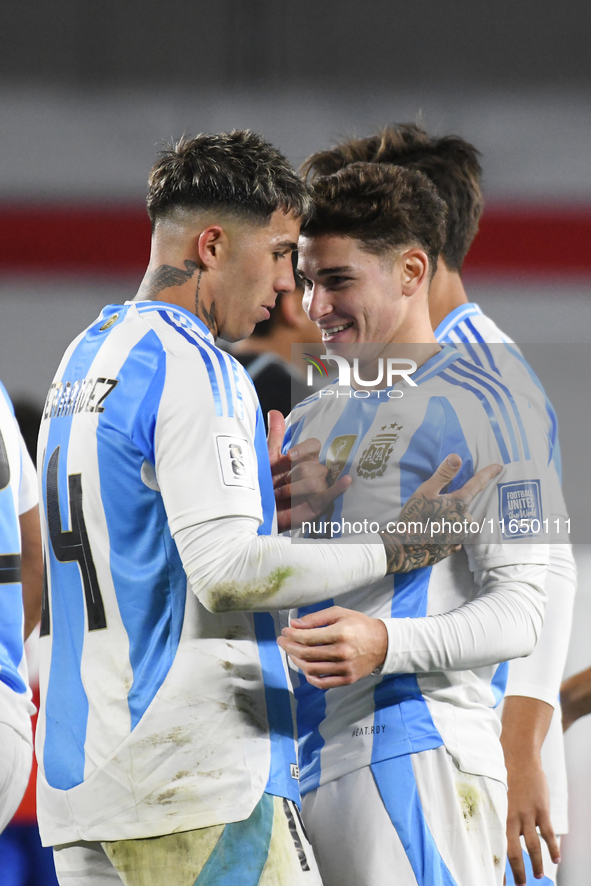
point(82, 395)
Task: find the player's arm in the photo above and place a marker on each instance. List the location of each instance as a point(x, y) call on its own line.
point(336, 647)
point(575, 698)
point(31, 549)
point(269, 572)
point(525, 724)
point(31, 567)
point(530, 697)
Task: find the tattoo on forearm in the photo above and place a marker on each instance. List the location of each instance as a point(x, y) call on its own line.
point(413, 547)
point(165, 276)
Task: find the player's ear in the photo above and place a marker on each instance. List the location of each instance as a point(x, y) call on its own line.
point(414, 270)
point(212, 243)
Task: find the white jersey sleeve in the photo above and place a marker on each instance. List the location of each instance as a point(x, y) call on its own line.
point(539, 675)
point(28, 494)
point(269, 572)
point(503, 622)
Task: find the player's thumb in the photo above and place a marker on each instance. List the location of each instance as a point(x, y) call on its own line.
point(444, 474)
point(276, 432)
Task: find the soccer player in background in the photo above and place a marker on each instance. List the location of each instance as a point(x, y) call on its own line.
point(402, 772)
point(532, 732)
point(165, 740)
point(21, 578)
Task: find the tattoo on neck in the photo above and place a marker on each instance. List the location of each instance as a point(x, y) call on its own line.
point(197, 292)
point(164, 277)
point(209, 317)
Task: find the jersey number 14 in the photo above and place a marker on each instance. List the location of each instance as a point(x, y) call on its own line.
point(72, 546)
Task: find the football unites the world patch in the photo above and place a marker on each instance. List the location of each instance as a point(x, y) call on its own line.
point(520, 509)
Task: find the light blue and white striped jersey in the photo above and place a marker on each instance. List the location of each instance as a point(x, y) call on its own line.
point(18, 494)
point(466, 326)
point(389, 447)
point(538, 675)
point(156, 715)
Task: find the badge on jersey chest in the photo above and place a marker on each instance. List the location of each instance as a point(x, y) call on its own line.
point(374, 457)
point(338, 453)
point(235, 461)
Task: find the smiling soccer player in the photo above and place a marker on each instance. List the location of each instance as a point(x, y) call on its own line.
point(402, 769)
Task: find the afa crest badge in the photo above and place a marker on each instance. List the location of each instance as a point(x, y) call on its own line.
point(375, 457)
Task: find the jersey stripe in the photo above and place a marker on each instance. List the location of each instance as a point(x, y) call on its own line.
point(489, 411)
point(460, 369)
point(279, 714)
point(418, 463)
point(401, 712)
point(454, 319)
point(506, 391)
point(243, 846)
point(435, 365)
point(63, 751)
point(237, 384)
point(133, 560)
point(220, 357)
point(398, 789)
point(215, 389)
point(356, 418)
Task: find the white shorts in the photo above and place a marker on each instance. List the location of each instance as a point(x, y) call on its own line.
point(15, 767)
point(270, 848)
point(415, 819)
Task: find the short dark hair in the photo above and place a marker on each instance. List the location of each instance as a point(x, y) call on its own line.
point(382, 206)
point(450, 162)
point(236, 171)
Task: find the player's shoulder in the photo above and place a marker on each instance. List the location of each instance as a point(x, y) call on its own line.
point(468, 324)
point(313, 401)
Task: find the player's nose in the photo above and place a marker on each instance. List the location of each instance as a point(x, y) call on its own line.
point(284, 281)
point(316, 302)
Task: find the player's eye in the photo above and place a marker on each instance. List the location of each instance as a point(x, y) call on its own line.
point(337, 282)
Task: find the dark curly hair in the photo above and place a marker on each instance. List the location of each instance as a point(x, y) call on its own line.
point(382, 206)
point(236, 171)
point(451, 163)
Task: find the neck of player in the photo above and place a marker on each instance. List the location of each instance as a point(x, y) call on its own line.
point(176, 276)
point(446, 294)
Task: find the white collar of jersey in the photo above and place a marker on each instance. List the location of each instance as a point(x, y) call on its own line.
point(181, 314)
point(457, 315)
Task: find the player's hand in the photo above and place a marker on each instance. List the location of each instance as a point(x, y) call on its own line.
point(525, 724)
point(418, 544)
point(529, 808)
point(302, 491)
point(335, 647)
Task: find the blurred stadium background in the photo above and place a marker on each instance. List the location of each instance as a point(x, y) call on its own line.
point(88, 91)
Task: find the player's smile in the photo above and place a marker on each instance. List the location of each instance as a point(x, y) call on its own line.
point(349, 292)
point(335, 333)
